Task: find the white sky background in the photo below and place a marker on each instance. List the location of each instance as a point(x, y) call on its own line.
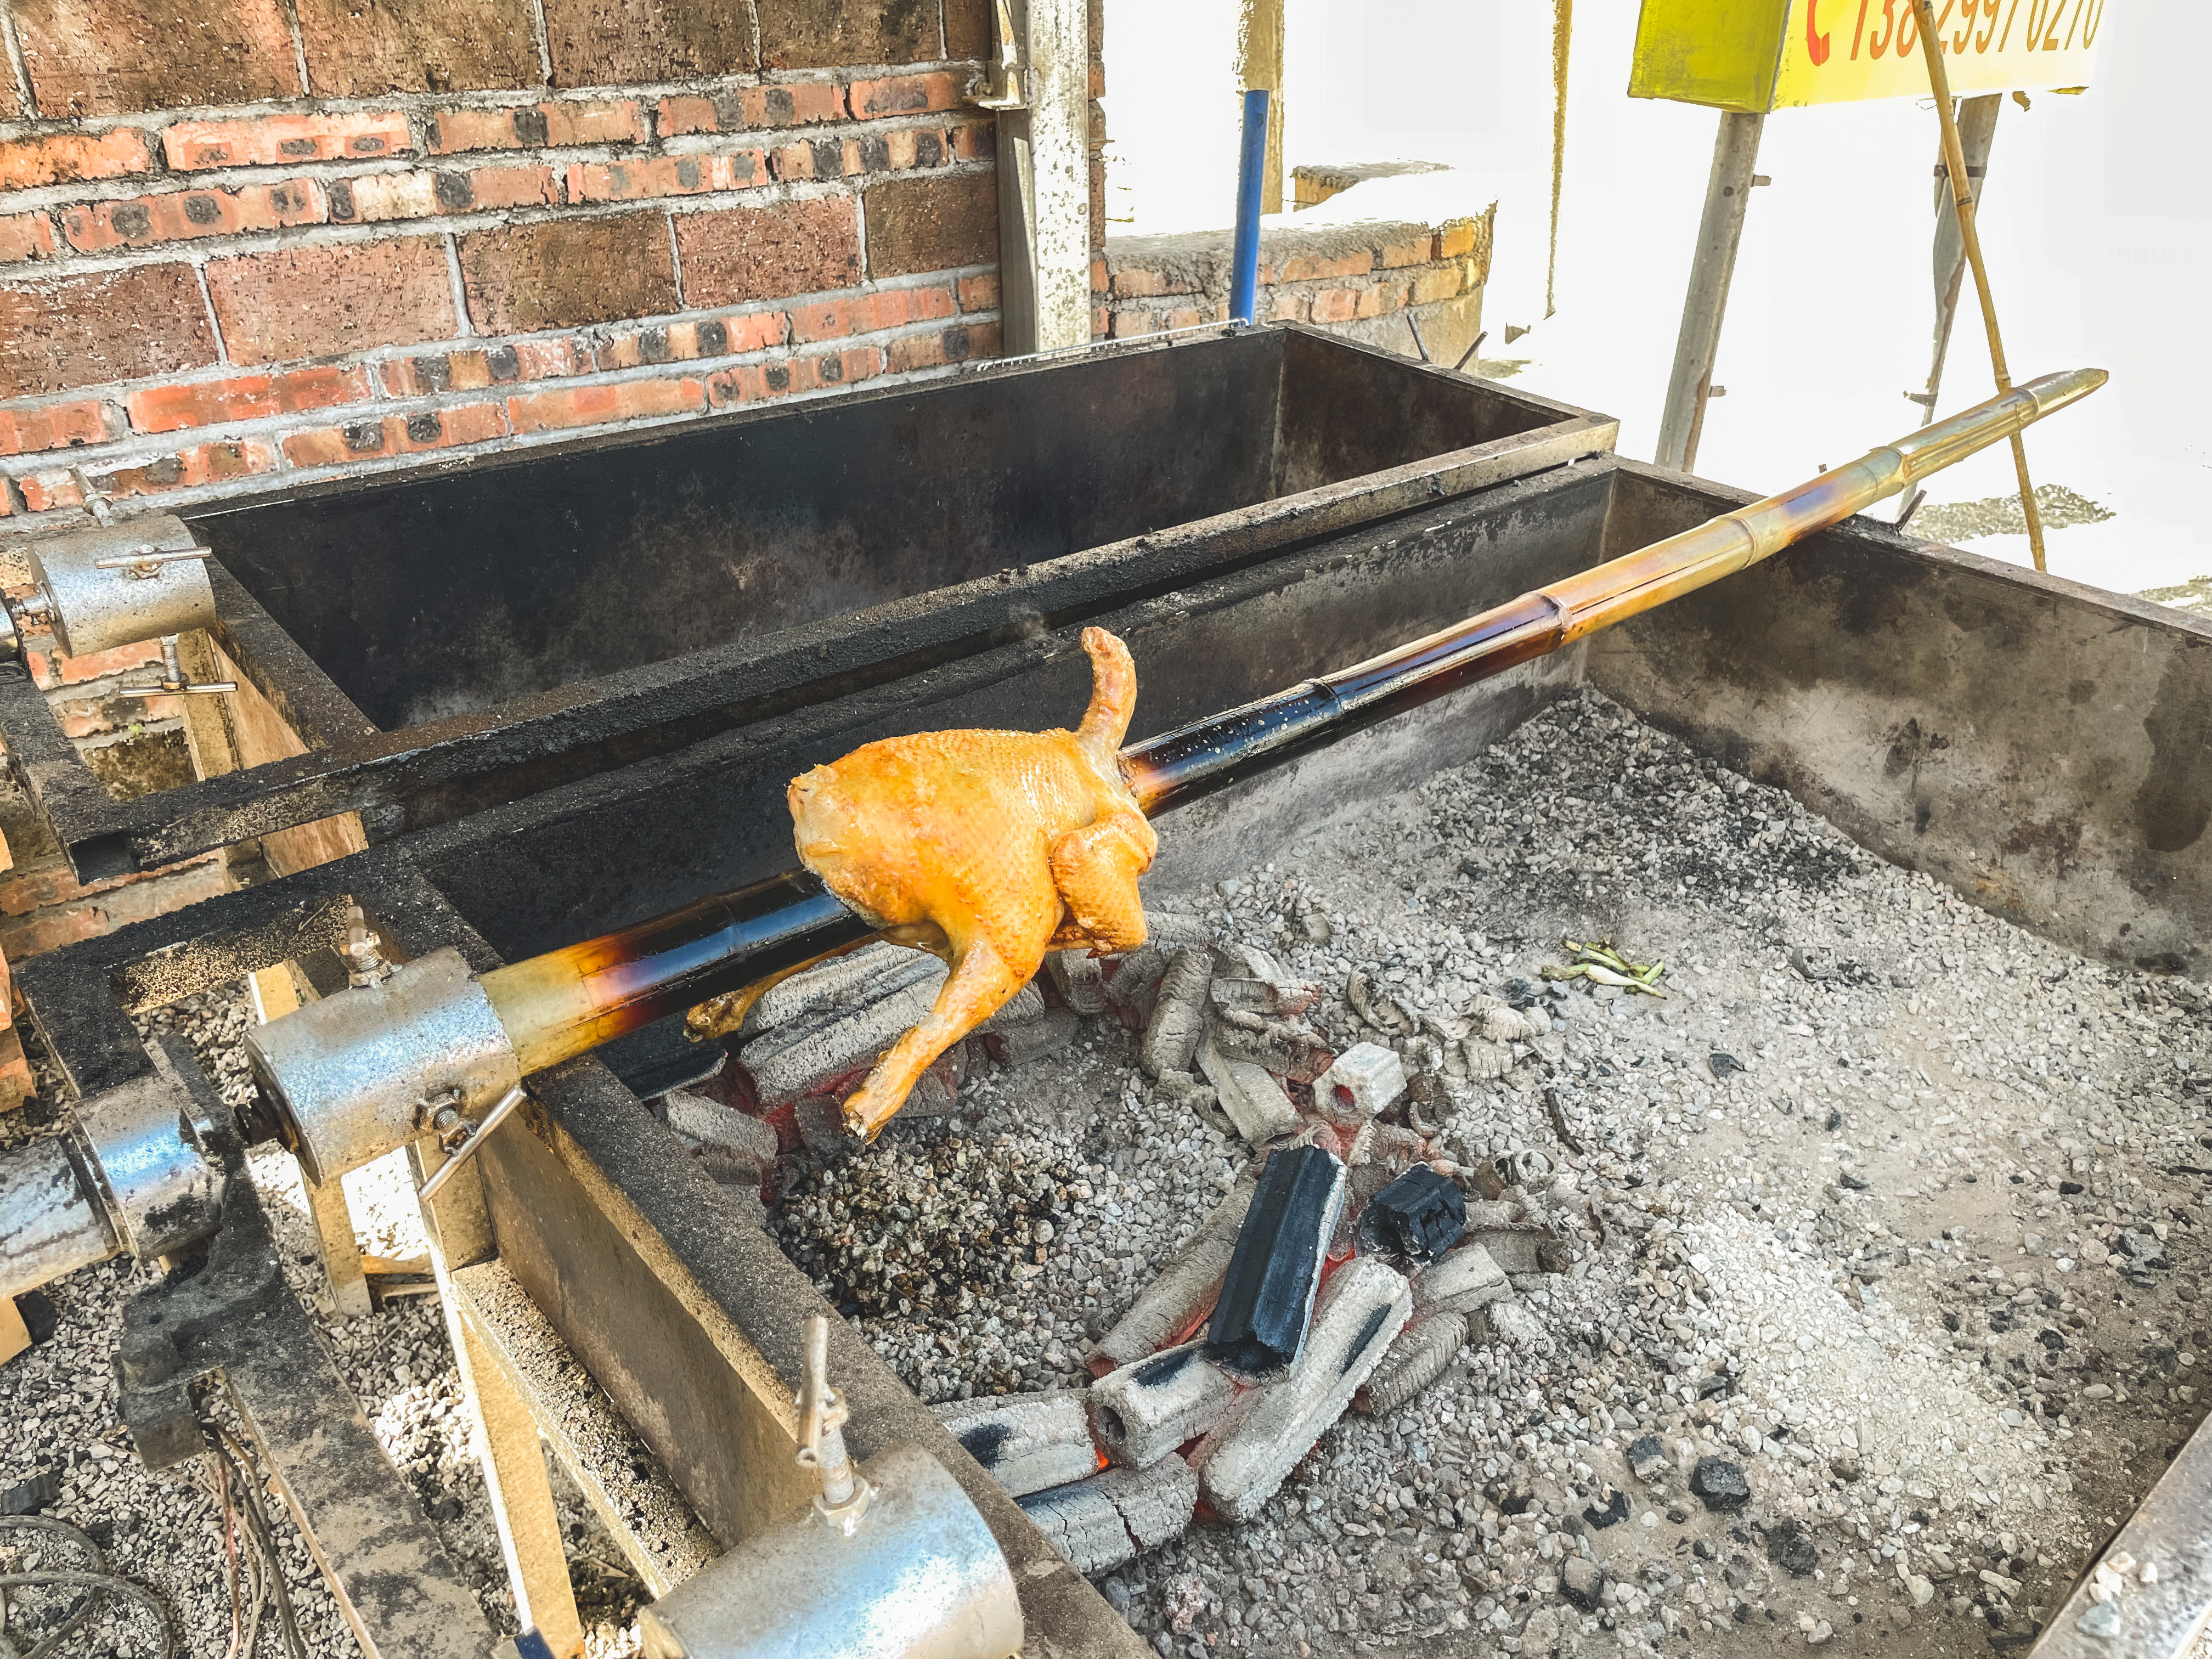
point(2096, 218)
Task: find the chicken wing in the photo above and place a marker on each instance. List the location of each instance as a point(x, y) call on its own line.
point(988, 848)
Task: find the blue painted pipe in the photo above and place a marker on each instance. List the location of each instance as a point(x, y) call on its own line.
point(1251, 174)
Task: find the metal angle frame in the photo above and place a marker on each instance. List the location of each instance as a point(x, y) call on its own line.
point(429, 773)
point(2170, 1534)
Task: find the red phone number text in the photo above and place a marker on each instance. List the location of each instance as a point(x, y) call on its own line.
point(1962, 27)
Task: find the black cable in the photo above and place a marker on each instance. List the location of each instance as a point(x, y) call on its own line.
point(95, 1583)
point(249, 1492)
point(77, 1614)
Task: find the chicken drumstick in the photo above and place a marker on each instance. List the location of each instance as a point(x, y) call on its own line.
point(988, 848)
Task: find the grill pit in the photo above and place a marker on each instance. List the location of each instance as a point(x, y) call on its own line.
point(1847, 671)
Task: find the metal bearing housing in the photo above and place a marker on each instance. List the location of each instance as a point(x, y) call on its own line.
point(93, 610)
point(349, 1077)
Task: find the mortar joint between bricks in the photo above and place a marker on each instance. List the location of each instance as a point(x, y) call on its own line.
point(541, 37)
point(199, 250)
point(256, 175)
point(772, 139)
point(223, 180)
point(299, 37)
point(428, 104)
point(19, 72)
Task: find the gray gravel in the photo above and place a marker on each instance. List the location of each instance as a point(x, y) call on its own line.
point(1884, 1268)
point(1918, 1257)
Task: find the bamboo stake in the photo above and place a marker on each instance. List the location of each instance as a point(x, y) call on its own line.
point(1962, 196)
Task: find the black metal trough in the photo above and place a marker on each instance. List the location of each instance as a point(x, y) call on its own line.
point(473, 632)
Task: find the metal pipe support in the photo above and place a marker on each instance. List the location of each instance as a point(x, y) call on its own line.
point(356, 1075)
point(136, 1173)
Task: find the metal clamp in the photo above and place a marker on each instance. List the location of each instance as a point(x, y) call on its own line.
point(459, 1137)
point(363, 950)
point(144, 562)
point(843, 1501)
point(173, 683)
point(1003, 87)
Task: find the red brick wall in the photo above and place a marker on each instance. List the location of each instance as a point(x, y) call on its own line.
point(264, 239)
point(1331, 276)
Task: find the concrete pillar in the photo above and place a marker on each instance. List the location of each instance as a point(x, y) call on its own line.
point(1044, 179)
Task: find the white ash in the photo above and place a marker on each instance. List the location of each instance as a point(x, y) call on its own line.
point(1848, 1252)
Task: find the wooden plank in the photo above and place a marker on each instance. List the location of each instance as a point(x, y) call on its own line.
point(14, 1335)
point(255, 735)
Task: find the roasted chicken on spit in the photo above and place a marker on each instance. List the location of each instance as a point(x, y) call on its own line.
point(988, 848)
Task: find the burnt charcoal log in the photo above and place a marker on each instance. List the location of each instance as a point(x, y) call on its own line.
point(1418, 1217)
point(1258, 1325)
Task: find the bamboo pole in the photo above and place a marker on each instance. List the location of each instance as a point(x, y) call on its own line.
point(1962, 196)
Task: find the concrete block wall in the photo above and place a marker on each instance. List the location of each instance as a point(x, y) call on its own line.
point(265, 239)
point(1354, 277)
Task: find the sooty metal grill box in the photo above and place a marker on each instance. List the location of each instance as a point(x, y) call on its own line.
point(1821, 670)
point(468, 633)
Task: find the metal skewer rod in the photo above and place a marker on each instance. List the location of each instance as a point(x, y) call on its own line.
point(734, 945)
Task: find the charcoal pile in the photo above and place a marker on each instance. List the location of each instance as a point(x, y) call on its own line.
point(1345, 1268)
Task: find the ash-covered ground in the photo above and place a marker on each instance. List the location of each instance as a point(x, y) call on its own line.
point(1888, 1203)
point(58, 1409)
point(1893, 1205)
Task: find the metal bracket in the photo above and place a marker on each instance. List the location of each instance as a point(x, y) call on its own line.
point(1005, 85)
point(172, 681)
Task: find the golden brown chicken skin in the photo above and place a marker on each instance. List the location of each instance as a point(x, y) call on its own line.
point(988, 848)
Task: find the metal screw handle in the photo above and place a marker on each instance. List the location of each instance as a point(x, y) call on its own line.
point(145, 562)
point(172, 681)
point(845, 1496)
point(466, 1147)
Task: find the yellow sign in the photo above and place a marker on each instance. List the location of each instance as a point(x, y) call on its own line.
point(1754, 55)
